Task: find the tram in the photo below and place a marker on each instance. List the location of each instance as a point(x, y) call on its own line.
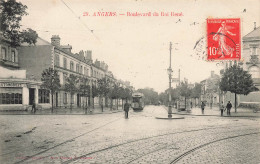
point(138, 101)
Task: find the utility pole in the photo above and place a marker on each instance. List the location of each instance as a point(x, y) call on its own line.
point(170, 80)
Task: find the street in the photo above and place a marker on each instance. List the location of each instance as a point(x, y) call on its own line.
point(110, 138)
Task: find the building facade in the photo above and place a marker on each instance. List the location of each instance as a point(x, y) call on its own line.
point(251, 63)
point(17, 91)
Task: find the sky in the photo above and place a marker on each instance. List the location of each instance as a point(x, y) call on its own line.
point(137, 48)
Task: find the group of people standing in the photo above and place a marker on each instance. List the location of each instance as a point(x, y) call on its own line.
point(222, 108)
point(227, 107)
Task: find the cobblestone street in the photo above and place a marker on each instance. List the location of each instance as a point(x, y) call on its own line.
point(109, 138)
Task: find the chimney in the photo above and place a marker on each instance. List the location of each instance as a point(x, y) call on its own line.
point(55, 40)
point(67, 48)
point(254, 25)
point(89, 55)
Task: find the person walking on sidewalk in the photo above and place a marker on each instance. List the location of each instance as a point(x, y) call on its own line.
point(229, 106)
point(222, 108)
point(33, 107)
point(126, 109)
point(202, 107)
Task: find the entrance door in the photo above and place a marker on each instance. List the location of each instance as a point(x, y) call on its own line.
point(57, 104)
point(31, 95)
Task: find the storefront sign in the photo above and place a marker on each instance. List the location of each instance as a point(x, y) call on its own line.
point(10, 84)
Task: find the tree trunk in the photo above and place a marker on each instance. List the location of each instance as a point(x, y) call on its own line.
point(71, 101)
point(111, 104)
point(117, 104)
point(235, 102)
point(86, 108)
point(122, 103)
point(51, 102)
point(185, 102)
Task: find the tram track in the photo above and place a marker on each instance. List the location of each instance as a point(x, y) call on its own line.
point(67, 141)
point(129, 142)
point(208, 143)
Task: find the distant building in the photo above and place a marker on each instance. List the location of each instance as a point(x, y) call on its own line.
point(210, 90)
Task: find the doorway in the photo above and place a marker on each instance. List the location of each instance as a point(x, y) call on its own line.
point(56, 98)
point(31, 95)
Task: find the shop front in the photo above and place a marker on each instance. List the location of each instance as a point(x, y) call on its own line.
point(19, 94)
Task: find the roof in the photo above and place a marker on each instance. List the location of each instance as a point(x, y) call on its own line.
point(255, 34)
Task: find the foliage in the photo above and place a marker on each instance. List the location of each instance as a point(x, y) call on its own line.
point(196, 91)
point(84, 87)
point(50, 80)
point(150, 96)
point(71, 86)
point(184, 90)
point(11, 15)
point(236, 80)
point(103, 86)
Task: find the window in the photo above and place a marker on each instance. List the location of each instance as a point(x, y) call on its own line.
point(254, 71)
point(254, 50)
point(64, 78)
point(44, 96)
point(3, 52)
point(13, 56)
point(57, 60)
point(65, 98)
point(77, 67)
point(65, 62)
point(81, 69)
point(71, 66)
point(11, 96)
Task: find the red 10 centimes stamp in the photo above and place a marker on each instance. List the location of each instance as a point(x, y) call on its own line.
point(223, 39)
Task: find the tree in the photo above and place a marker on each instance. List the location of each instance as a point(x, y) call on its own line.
point(237, 81)
point(103, 89)
point(150, 96)
point(184, 91)
point(71, 86)
point(196, 91)
point(84, 89)
point(11, 15)
point(50, 80)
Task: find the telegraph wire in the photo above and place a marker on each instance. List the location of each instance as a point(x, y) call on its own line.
point(80, 20)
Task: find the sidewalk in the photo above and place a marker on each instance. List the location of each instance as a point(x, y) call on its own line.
point(241, 112)
point(63, 111)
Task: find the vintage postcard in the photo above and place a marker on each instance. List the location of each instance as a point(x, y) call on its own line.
point(130, 81)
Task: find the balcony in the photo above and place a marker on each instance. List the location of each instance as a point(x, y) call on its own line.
point(8, 63)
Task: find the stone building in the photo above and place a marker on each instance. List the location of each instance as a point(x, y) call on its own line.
point(17, 91)
point(45, 55)
point(250, 62)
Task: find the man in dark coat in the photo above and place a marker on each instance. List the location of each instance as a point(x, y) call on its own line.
point(229, 106)
point(126, 109)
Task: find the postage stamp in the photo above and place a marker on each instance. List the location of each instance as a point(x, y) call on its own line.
point(223, 39)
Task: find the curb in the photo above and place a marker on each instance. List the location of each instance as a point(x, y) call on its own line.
point(213, 115)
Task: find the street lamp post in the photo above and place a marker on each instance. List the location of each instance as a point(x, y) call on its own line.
point(169, 70)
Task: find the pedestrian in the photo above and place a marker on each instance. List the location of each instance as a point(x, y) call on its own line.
point(126, 109)
point(33, 107)
point(202, 107)
point(191, 104)
point(222, 108)
point(229, 106)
